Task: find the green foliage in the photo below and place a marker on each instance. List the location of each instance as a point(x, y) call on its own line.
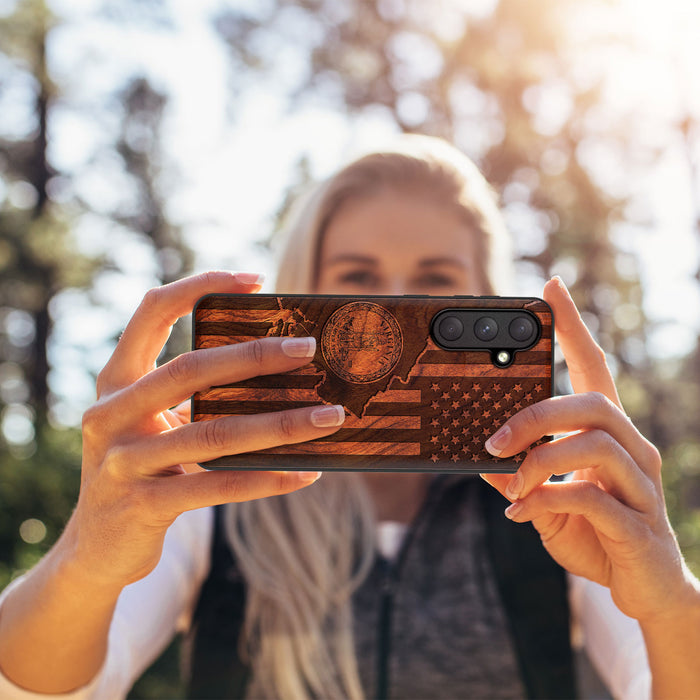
point(40, 259)
point(682, 484)
point(39, 481)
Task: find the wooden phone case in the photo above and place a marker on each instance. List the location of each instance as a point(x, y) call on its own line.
point(410, 405)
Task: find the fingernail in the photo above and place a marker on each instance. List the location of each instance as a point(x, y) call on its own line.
point(309, 477)
point(515, 486)
point(498, 441)
point(250, 277)
point(513, 509)
point(299, 347)
point(560, 282)
point(328, 416)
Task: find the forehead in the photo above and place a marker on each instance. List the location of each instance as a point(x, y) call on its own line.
point(397, 224)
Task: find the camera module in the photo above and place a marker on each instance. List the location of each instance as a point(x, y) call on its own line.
point(486, 329)
point(500, 331)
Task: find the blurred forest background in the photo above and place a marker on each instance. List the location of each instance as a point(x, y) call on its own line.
point(97, 175)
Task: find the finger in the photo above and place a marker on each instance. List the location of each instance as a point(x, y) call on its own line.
point(206, 440)
point(498, 481)
point(594, 450)
point(182, 413)
point(149, 328)
point(199, 370)
point(564, 414)
point(177, 416)
point(585, 359)
point(177, 494)
point(606, 514)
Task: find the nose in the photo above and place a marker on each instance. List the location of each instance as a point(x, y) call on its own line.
point(397, 286)
point(391, 285)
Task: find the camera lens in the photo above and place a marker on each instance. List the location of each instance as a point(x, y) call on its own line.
point(485, 328)
point(521, 328)
point(451, 328)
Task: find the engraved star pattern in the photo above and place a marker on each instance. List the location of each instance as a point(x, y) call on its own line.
point(466, 413)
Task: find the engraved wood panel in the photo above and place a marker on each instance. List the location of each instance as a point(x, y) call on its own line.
point(410, 404)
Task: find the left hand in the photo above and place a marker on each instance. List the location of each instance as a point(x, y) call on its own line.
point(609, 524)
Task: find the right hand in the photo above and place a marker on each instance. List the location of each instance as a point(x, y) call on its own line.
point(140, 468)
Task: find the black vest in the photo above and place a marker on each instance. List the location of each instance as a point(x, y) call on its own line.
point(538, 612)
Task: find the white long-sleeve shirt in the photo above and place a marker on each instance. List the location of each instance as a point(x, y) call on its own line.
point(150, 611)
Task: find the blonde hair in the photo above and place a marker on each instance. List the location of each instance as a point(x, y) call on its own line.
point(303, 554)
point(416, 164)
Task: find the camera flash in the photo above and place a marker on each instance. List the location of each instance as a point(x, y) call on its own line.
point(503, 357)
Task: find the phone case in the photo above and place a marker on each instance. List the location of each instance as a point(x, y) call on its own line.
point(410, 404)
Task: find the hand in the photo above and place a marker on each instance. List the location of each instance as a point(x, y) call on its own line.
point(140, 458)
point(609, 524)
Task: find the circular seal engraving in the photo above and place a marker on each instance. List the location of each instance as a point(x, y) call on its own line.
point(361, 342)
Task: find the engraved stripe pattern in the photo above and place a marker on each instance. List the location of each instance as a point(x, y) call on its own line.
point(435, 412)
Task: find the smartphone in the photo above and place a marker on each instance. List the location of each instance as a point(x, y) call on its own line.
point(424, 380)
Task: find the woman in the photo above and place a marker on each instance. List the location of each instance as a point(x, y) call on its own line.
point(416, 220)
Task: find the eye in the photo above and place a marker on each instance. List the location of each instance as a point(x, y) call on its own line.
point(359, 278)
point(436, 280)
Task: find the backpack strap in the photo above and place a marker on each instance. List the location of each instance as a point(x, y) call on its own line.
point(534, 593)
point(213, 667)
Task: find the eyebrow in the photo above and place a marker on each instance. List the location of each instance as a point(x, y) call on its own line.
point(434, 262)
point(352, 258)
point(368, 260)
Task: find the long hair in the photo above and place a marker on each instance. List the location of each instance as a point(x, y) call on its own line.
point(303, 554)
point(302, 557)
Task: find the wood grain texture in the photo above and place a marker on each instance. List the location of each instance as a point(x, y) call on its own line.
point(410, 404)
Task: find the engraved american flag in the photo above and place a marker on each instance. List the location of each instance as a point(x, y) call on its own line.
point(432, 412)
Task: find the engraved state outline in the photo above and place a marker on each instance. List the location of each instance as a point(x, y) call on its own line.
point(388, 379)
point(320, 386)
point(320, 373)
point(403, 377)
